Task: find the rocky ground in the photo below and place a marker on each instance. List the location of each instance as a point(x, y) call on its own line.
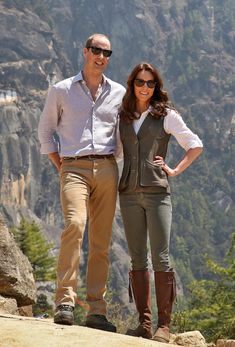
point(18, 331)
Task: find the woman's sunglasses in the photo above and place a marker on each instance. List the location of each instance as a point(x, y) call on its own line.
point(140, 83)
point(97, 51)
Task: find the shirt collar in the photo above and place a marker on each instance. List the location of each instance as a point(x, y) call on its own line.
point(79, 78)
point(145, 112)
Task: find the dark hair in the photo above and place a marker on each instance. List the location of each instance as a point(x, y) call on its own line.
point(159, 100)
point(91, 38)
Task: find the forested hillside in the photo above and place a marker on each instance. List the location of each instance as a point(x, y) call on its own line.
point(190, 41)
point(202, 81)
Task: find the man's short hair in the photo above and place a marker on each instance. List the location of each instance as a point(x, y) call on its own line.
point(90, 39)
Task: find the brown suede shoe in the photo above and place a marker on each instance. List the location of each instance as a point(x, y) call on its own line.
point(162, 335)
point(140, 331)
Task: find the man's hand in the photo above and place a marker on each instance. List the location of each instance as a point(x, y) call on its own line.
point(56, 160)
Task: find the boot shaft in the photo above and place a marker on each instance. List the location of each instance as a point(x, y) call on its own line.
point(140, 286)
point(165, 287)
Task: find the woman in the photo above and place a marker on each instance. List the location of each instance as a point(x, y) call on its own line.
point(147, 121)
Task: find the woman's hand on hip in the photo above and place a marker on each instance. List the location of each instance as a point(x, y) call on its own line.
point(160, 161)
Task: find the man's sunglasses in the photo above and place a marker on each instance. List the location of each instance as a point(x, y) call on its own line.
point(140, 83)
point(97, 51)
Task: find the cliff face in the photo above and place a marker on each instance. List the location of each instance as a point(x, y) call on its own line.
point(191, 44)
point(27, 55)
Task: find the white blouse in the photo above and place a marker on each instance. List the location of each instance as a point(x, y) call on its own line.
point(173, 124)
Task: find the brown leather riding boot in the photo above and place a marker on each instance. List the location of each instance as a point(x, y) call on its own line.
point(165, 287)
point(140, 285)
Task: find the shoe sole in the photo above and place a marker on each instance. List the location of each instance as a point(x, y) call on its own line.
point(160, 339)
point(64, 322)
point(148, 337)
point(131, 332)
point(112, 330)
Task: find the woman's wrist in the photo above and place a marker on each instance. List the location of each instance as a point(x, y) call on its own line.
point(176, 171)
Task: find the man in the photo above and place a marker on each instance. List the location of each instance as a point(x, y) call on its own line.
point(83, 111)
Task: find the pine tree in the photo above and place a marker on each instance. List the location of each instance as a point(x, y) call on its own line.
point(211, 304)
point(33, 244)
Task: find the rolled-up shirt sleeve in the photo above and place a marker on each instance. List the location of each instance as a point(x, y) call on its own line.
point(48, 123)
point(174, 124)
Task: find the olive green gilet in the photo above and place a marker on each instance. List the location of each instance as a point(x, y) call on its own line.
point(139, 172)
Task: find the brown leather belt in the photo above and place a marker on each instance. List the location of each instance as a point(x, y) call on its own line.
point(90, 156)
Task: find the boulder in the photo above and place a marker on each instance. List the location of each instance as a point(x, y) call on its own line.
point(225, 343)
point(16, 273)
point(26, 311)
point(190, 338)
point(8, 305)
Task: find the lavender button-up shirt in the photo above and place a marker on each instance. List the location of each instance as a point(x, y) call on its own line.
point(84, 126)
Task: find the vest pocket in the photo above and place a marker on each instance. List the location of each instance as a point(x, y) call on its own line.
point(152, 175)
point(156, 168)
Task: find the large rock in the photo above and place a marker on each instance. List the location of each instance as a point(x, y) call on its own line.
point(190, 338)
point(8, 305)
point(225, 343)
point(16, 273)
point(22, 332)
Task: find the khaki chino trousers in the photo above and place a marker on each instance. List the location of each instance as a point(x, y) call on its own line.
point(88, 193)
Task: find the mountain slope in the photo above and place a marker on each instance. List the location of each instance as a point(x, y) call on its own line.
point(192, 44)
